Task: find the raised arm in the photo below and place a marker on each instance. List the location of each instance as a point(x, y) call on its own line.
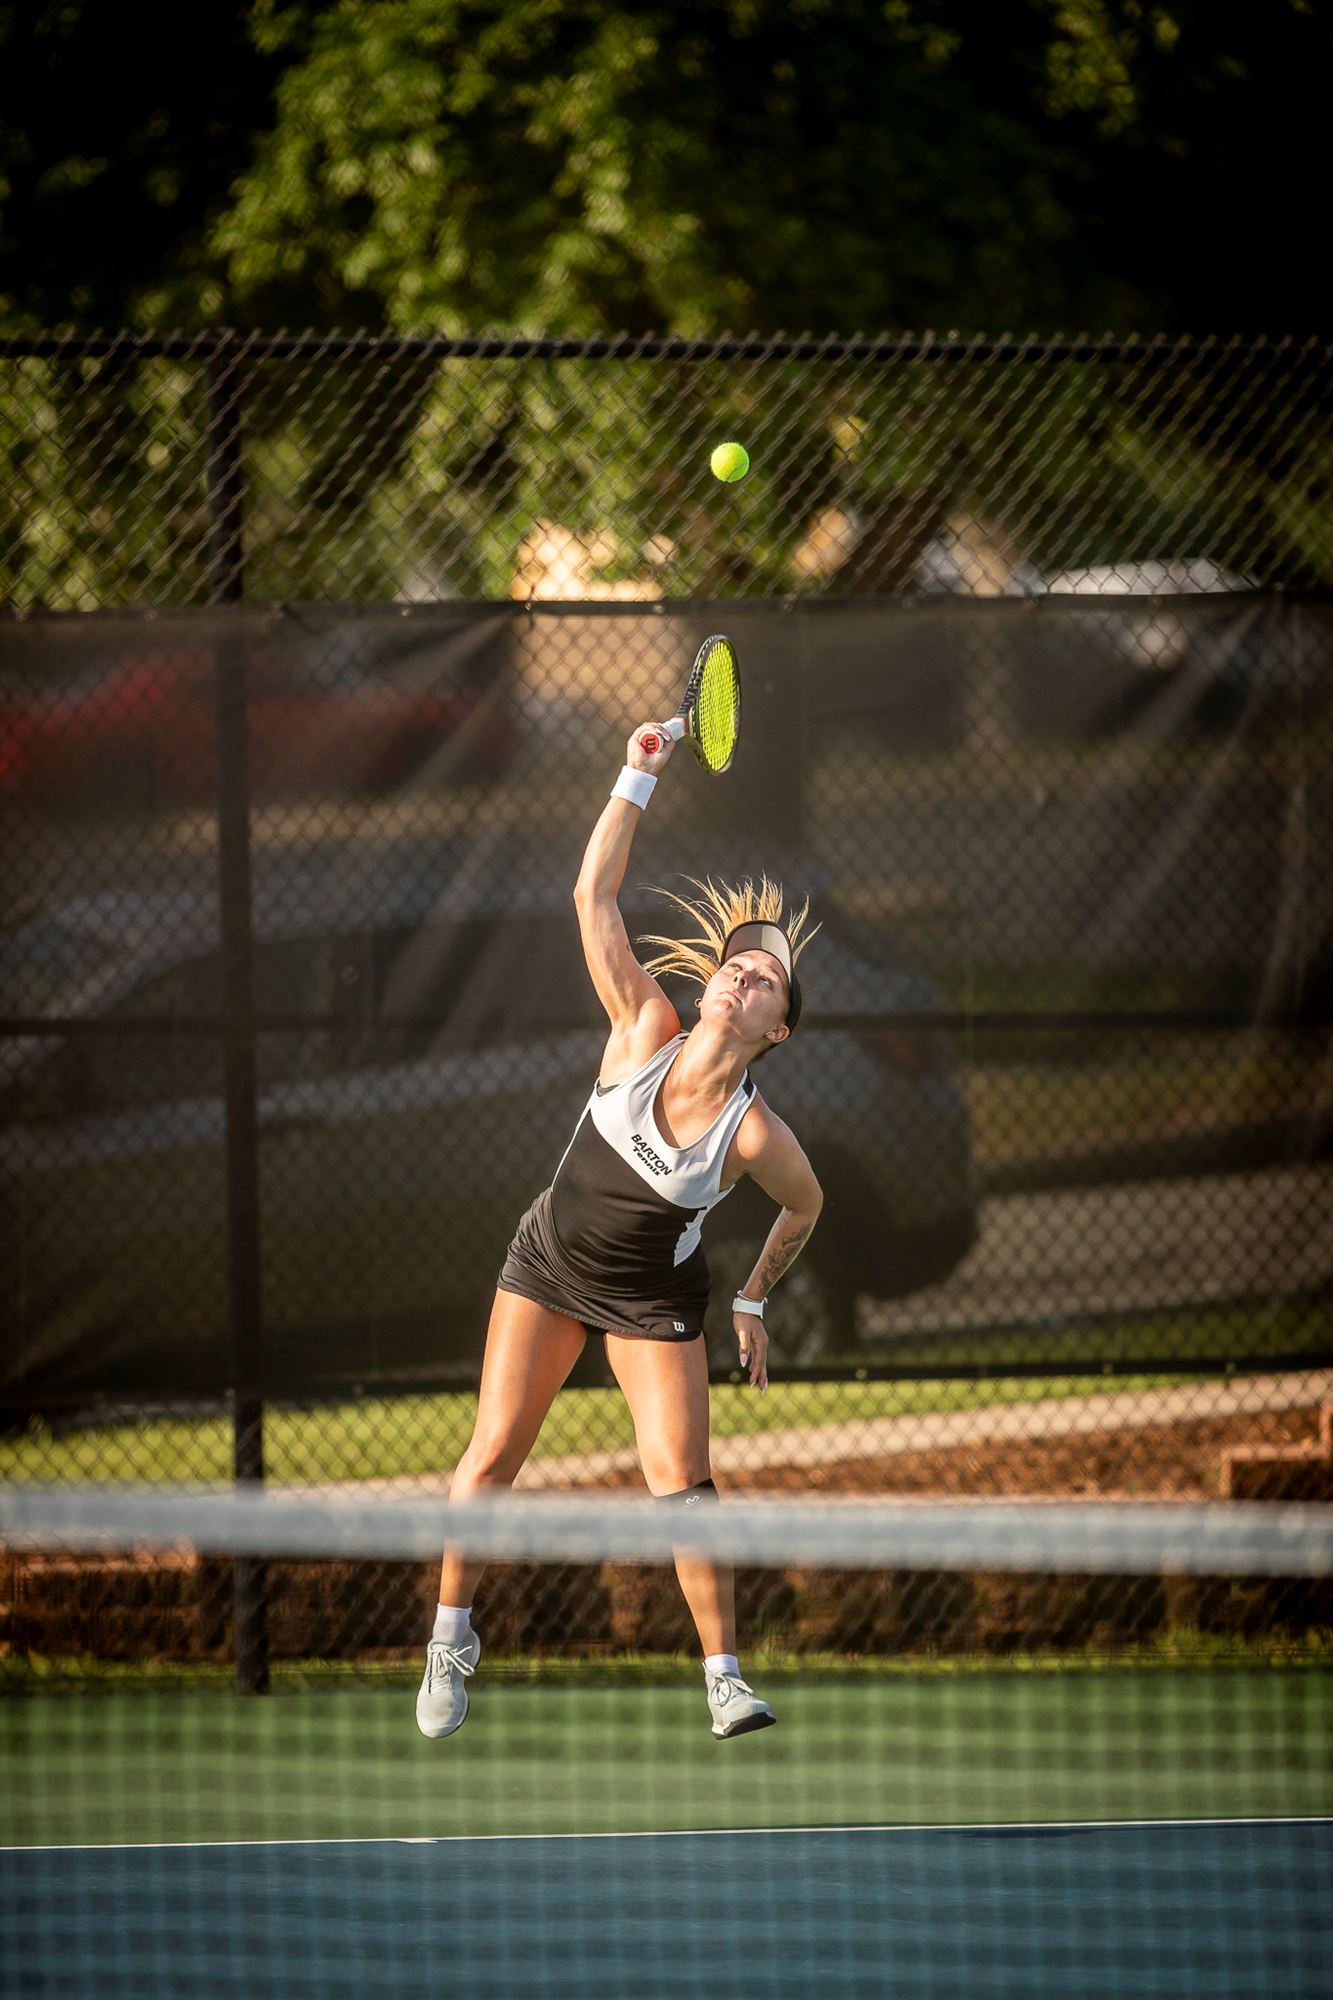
point(768, 1151)
point(641, 1016)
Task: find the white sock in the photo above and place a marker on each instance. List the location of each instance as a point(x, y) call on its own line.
point(453, 1623)
point(723, 1663)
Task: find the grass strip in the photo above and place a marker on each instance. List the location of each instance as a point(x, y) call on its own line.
point(423, 1436)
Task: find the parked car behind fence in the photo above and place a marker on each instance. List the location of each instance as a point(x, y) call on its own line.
point(418, 1076)
point(139, 728)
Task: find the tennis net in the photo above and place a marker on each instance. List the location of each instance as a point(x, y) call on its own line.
point(1022, 1749)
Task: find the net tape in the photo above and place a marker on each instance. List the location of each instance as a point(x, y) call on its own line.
point(1116, 1538)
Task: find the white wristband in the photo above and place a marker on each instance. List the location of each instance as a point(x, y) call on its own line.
point(740, 1304)
point(636, 786)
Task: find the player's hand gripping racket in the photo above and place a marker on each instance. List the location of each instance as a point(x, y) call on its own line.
point(710, 714)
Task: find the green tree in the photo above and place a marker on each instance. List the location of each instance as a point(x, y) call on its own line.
point(684, 168)
point(569, 165)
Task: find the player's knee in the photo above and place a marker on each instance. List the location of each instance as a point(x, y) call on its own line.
point(491, 1461)
point(689, 1496)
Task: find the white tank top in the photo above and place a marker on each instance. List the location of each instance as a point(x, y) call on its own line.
point(689, 1177)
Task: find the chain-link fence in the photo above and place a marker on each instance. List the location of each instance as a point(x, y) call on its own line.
point(322, 658)
point(155, 471)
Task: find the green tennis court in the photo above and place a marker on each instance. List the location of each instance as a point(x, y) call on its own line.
point(1008, 1832)
point(347, 1763)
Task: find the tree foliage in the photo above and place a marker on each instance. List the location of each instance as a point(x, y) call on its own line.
point(575, 166)
point(570, 166)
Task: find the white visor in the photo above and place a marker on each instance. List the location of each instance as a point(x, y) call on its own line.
point(770, 938)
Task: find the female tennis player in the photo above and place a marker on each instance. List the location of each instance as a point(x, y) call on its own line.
point(612, 1247)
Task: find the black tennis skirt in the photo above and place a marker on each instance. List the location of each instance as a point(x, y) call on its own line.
point(536, 1268)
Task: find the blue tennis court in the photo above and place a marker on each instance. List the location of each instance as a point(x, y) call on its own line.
point(1239, 1908)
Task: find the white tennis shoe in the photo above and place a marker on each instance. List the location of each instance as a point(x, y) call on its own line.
point(442, 1696)
point(735, 1707)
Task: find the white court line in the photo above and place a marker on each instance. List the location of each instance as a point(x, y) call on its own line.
point(674, 1833)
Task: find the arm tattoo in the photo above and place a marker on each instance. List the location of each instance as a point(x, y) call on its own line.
point(779, 1254)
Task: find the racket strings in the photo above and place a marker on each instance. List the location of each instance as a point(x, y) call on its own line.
point(717, 709)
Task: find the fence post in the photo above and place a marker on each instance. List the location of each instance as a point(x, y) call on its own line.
point(226, 549)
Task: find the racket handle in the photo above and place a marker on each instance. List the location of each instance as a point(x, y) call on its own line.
point(651, 740)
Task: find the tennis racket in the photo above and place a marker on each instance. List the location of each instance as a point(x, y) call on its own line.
point(710, 714)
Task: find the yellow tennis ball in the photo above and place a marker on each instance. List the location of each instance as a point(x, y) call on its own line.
point(730, 461)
